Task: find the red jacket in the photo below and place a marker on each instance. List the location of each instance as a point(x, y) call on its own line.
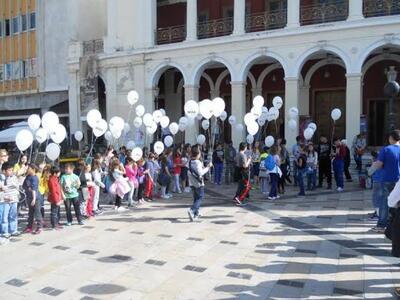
point(55, 195)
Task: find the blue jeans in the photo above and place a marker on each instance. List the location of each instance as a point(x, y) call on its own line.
point(9, 222)
point(273, 192)
point(300, 180)
point(338, 169)
point(384, 208)
point(218, 168)
point(377, 190)
point(311, 179)
point(1, 215)
point(198, 195)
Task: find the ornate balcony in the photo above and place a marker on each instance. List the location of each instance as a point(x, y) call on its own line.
point(173, 34)
point(378, 8)
point(266, 20)
point(324, 12)
point(214, 28)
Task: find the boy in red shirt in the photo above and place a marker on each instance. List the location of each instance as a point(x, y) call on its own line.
point(55, 196)
point(338, 163)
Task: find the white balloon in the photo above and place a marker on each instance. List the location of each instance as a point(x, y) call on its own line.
point(336, 114)
point(108, 136)
point(308, 133)
point(264, 113)
point(127, 128)
point(34, 122)
point(191, 109)
point(232, 120)
point(100, 128)
point(152, 128)
point(252, 128)
point(58, 134)
point(239, 127)
point(157, 115)
point(53, 151)
point(24, 139)
point(41, 135)
point(163, 111)
point(137, 154)
point(164, 122)
point(269, 141)
point(133, 97)
point(249, 139)
point(201, 139)
point(140, 110)
point(168, 141)
point(116, 134)
point(256, 112)
point(116, 124)
point(92, 117)
point(148, 119)
point(218, 106)
point(293, 112)
point(261, 122)
point(313, 126)
point(205, 124)
point(223, 116)
point(292, 124)
point(258, 101)
point(277, 102)
point(158, 147)
point(183, 121)
point(206, 108)
point(273, 113)
point(198, 117)
point(137, 122)
point(249, 118)
point(173, 128)
point(78, 135)
point(49, 120)
point(182, 128)
point(130, 145)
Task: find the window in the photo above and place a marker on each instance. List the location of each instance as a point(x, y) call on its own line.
point(203, 17)
point(16, 70)
point(1, 73)
point(227, 12)
point(7, 29)
point(7, 71)
point(15, 27)
point(32, 21)
point(24, 23)
point(32, 67)
point(24, 69)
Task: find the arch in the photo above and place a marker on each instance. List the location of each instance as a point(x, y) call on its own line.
point(265, 73)
point(202, 66)
point(377, 59)
point(252, 80)
point(220, 78)
point(249, 62)
point(161, 68)
point(320, 64)
point(326, 48)
point(374, 46)
point(209, 80)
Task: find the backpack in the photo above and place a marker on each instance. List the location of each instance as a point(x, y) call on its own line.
point(269, 163)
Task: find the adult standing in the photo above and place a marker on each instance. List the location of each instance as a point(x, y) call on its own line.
point(285, 166)
point(242, 165)
point(389, 161)
point(230, 155)
point(296, 154)
point(338, 164)
point(324, 162)
point(358, 147)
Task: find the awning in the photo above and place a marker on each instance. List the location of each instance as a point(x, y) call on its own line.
point(8, 135)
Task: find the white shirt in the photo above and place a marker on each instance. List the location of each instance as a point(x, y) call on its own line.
point(394, 196)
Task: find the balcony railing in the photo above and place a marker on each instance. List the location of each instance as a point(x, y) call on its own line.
point(214, 28)
point(266, 20)
point(378, 8)
point(93, 47)
point(324, 13)
point(173, 34)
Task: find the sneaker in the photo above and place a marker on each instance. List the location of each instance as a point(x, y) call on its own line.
point(16, 233)
point(191, 215)
point(81, 223)
point(28, 230)
point(271, 198)
point(121, 209)
point(378, 229)
point(164, 197)
point(6, 235)
point(277, 197)
point(69, 224)
point(339, 189)
point(373, 216)
point(115, 208)
point(237, 201)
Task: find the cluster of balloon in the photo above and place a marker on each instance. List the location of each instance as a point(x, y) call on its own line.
point(309, 131)
point(293, 116)
point(42, 129)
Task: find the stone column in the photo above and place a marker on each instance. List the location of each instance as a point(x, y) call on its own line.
point(291, 100)
point(293, 14)
point(353, 105)
point(74, 99)
point(355, 10)
point(191, 20)
point(238, 110)
point(239, 17)
point(150, 22)
point(191, 132)
point(110, 42)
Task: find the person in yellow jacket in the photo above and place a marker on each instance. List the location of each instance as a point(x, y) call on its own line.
point(43, 175)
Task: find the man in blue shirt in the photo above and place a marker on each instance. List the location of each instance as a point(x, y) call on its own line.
point(389, 161)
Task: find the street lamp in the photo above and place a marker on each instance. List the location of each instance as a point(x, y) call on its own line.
point(391, 90)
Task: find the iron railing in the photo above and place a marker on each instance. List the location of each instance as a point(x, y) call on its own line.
point(93, 47)
point(378, 8)
point(324, 12)
point(214, 28)
point(172, 34)
point(266, 20)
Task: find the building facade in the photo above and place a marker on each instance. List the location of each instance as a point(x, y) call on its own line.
point(317, 55)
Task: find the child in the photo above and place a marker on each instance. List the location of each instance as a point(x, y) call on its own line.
point(218, 162)
point(154, 168)
point(96, 174)
point(31, 186)
point(89, 190)
point(70, 184)
point(196, 181)
point(43, 175)
point(263, 175)
point(141, 177)
point(120, 185)
point(55, 197)
point(9, 185)
point(377, 188)
point(272, 163)
point(301, 168)
point(131, 170)
point(164, 178)
point(338, 164)
point(312, 164)
point(177, 170)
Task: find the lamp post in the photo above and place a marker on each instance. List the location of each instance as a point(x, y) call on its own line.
point(391, 90)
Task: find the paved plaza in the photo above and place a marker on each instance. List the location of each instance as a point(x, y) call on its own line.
point(318, 247)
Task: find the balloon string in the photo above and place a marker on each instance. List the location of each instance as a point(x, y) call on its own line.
point(91, 150)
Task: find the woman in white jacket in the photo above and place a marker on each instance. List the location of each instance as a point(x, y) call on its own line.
point(196, 181)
